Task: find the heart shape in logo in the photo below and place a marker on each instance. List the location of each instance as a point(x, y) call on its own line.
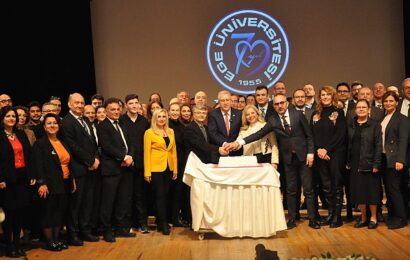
point(244, 47)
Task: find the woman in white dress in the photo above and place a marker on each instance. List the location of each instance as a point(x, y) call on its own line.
point(266, 148)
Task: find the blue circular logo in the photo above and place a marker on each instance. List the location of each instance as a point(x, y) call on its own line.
point(246, 49)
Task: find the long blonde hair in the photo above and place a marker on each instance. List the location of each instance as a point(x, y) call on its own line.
point(154, 120)
point(245, 124)
point(335, 99)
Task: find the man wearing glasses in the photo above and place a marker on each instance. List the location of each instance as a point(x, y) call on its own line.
point(343, 94)
point(5, 100)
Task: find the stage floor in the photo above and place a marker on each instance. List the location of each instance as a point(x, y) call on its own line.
point(301, 241)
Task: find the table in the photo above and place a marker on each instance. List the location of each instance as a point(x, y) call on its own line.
point(235, 201)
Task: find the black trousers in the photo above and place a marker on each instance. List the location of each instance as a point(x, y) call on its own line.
point(12, 226)
point(81, 204)
point(140, 212)
point(331, 176)
point(396, 188)
point(95, 214)
point(176, 196)
point(294, 171)
point(116, 199)
point(161, 183)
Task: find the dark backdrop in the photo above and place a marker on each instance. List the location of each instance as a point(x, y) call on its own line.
point(406, 19)
point(46, 50)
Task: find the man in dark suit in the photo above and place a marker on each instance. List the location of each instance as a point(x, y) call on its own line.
point(116, 160)
point(196, 137)
point(299, 101)
point(343, 94)
point(296, 147)
point(310, 93)
point(224, 124)
point(85, 160)
point(136, 125)
point(262, 102)
point(355, 94)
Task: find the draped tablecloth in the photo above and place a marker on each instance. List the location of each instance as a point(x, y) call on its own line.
point(235, 201)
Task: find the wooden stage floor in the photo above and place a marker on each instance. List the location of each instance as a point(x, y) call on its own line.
point(301, 241)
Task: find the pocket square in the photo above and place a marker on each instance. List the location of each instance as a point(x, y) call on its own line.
point(53, 152)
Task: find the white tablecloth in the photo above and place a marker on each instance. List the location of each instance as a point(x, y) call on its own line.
point(235, 202)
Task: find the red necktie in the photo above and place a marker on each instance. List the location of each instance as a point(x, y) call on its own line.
point(227, 123)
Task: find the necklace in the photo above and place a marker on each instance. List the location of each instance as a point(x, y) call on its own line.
point(9, 135)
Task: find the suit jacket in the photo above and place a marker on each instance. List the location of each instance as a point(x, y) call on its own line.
point(157, 156)
point(408, 147)
point(113, 148)
point(7, 167)
point(300, 139)
point(195, 142)
point(269, 111)
point(83, 147)
point(47, 166)
point(135, 131)
point(351, 105)
point(396, 139)
point(217, 129)
point(308, 113)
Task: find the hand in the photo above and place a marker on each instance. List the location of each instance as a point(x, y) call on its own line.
point(274, 165)
point(223, 151)
point(232, 146)
point(399, 166)
point(128, 161)
point(375, 170)
point(175, 176)
point(348, 167)
point(74, 186)
point(148, 178)
point(95, 165)
point(32, 182)
point(43, 191)
point(2, 185)
point(321, 153)
point(309, 160)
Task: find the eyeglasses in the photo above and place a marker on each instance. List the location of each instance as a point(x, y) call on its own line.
point(201, 112)
point(4, 101)
point(343, 91)
point(279, 103)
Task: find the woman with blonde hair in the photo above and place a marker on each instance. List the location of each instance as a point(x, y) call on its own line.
point(160, 163)
point(266, 148)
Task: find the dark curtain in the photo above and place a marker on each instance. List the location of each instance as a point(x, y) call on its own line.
point(46, 50)
point(406, 19)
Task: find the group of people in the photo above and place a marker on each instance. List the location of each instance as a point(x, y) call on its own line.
point(105, 167)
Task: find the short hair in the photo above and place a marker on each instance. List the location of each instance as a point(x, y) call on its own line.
point(130, 97)
point(391, 93)
point(47, 104)
point(54, 98)
point(33, 104)
point(299, 89)
point(110, 101)
point(357, 83)
point(3, 113)
point(262, 87)
point(223, 92)
point(48, 115)
point(342, 84)
point(250, 95)
point(198, 107)
point(97, 96)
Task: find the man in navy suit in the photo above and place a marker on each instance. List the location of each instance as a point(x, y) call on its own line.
point(295, 141)
point(224, 124)
point(262, 101)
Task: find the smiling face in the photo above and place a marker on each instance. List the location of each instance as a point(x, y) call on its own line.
point(76, 104)
point(100, 115)
point(10, 120)
point(174, 111)
point(51, 126)
point(113, 111)
point(132, 106)
point(89, 112)
point(326, 98)
point(251, 115)
point(390, 104)
point(186, 113)
point(262, 97)
point(22, 117)
point(299, 98)
point(161, 119)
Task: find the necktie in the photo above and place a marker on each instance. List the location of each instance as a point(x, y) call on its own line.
point(116, 126)
point(82, 122)
point(203, 132)
point(263, 112)
point(286, 125)
point(227, 123)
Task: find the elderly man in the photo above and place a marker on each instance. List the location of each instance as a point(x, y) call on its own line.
point(5, 100)
point(183, 97)
point(224, 123)
point(279, 88)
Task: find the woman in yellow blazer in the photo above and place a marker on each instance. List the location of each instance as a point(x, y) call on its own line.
point(160, 163)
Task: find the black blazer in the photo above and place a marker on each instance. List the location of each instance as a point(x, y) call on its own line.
point(300, 138)
point(7, 168)
point(113, 149)
point(376, 114)
point(47, 166)
point(83, 147)
point(135, 131)
point(195, 142)
point(179, 128)
point(269, 111)
point(396, 139)
point(370, 145)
